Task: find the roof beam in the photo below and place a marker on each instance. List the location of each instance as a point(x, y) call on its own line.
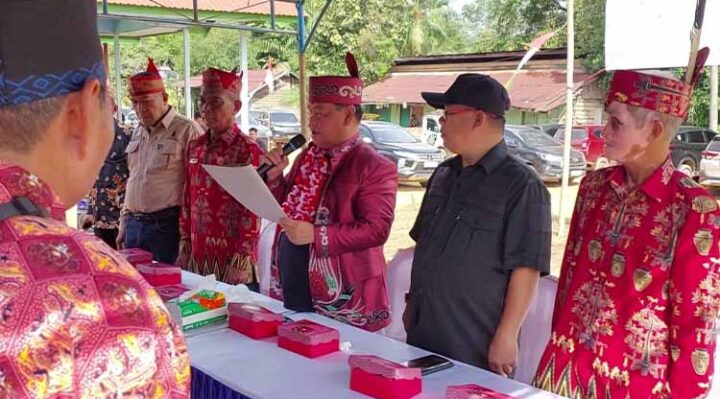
point(181, 23)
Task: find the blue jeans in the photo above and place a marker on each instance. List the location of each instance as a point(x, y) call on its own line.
point(157, 232)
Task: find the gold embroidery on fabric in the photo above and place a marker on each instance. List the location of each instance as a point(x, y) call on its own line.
point(674, 353)
point(595, 250)
point(620, 376)
point(641, 278)
point(618, 265)
point(703, 241)
point(703, 204)
point(706, 298)
point(700, 361)
point(665, 233)
point(646, 338)
point(563, 342)
point(596, 313)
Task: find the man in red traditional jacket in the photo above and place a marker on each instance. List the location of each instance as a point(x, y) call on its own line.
point(340, 200)
point(77, 320)
point(218, 235)
point(638, 295)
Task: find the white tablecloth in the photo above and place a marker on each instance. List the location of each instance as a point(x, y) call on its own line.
point(261, 370)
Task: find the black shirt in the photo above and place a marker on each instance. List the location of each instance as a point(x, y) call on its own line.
point(475, 226)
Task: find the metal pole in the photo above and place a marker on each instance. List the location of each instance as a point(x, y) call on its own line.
point(568, 113)
point(714, 97)
point(315, 25)
point(118, 76)
point(245, 90)
point(104, 7)
point(272, 14)
point(301, 58)
point(186, 66)
point(195, 10)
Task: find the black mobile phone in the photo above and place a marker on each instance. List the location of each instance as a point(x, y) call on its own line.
point(429, 364)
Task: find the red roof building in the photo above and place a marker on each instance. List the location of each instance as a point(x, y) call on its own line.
point(537, 92)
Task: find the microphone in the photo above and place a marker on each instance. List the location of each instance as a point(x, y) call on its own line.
point(294, 143)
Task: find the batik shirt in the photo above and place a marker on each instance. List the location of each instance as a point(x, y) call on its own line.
point(639, 292)
point(76, 319)
point(108, 193)
point(220, 234)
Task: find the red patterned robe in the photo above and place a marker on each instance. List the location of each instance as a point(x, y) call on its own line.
point(639, 292)
point(76, 320)
point(219, 233)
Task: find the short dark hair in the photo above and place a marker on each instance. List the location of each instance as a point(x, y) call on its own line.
point(252, 129)
point(358, 110)
point(197, 115)
point(24, 125)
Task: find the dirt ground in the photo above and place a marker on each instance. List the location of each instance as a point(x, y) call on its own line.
point(408, 203)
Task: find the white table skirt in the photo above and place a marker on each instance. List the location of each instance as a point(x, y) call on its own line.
point(261, 370)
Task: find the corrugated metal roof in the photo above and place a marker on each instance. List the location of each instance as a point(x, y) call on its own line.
point(538, 91)
point(239, 6)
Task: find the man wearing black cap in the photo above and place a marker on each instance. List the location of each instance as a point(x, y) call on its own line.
point(482, 233)
point(77, 320)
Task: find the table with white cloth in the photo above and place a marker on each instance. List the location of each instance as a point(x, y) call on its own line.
point(227, 364)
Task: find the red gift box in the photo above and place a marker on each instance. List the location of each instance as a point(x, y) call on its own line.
point(254, 321)
point(308, 338)
point(168, 292)
point(383, 379)
point(158, 274)
point(472, 391)
point(136, 256)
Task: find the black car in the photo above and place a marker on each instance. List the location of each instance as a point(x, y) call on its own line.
point(687, 146)
point(415, 160)
point(542, 153)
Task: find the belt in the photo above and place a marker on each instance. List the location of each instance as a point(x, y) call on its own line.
point(172, 212)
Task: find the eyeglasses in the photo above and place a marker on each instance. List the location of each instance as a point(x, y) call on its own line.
point(447, 114)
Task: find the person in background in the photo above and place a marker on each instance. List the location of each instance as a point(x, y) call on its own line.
point(253, 136)
point(198, 118)
point(218, 235)
point(78, 321)
point(483, 235)
point(108, 193)
point(340, 202)
point(156, 158)
point(638, 295)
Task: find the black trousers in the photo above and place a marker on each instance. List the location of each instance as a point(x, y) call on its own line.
point(107, 235)
point(294, 264)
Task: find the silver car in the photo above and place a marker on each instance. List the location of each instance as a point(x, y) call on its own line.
point(710, 164)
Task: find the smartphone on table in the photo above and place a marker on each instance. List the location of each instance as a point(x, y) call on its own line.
point(429, 364)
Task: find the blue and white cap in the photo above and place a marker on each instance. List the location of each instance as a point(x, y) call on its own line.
point(48, 48)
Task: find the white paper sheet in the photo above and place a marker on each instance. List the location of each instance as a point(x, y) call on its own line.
point(245, 185)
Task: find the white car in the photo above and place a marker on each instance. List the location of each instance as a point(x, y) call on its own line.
point(431, 133)
point(709, 170)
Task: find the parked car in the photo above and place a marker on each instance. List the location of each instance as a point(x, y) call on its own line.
point(589, 140)
point(282, 123)
point(709, 171)
point(431, 134)
point(687, 147)
point(542, 153)
point(416, 160)
point(548, 129)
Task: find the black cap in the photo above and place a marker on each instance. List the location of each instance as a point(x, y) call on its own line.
point(48, 48)
point(473, 90)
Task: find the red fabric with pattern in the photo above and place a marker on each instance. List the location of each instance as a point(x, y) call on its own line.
point(77, 319)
